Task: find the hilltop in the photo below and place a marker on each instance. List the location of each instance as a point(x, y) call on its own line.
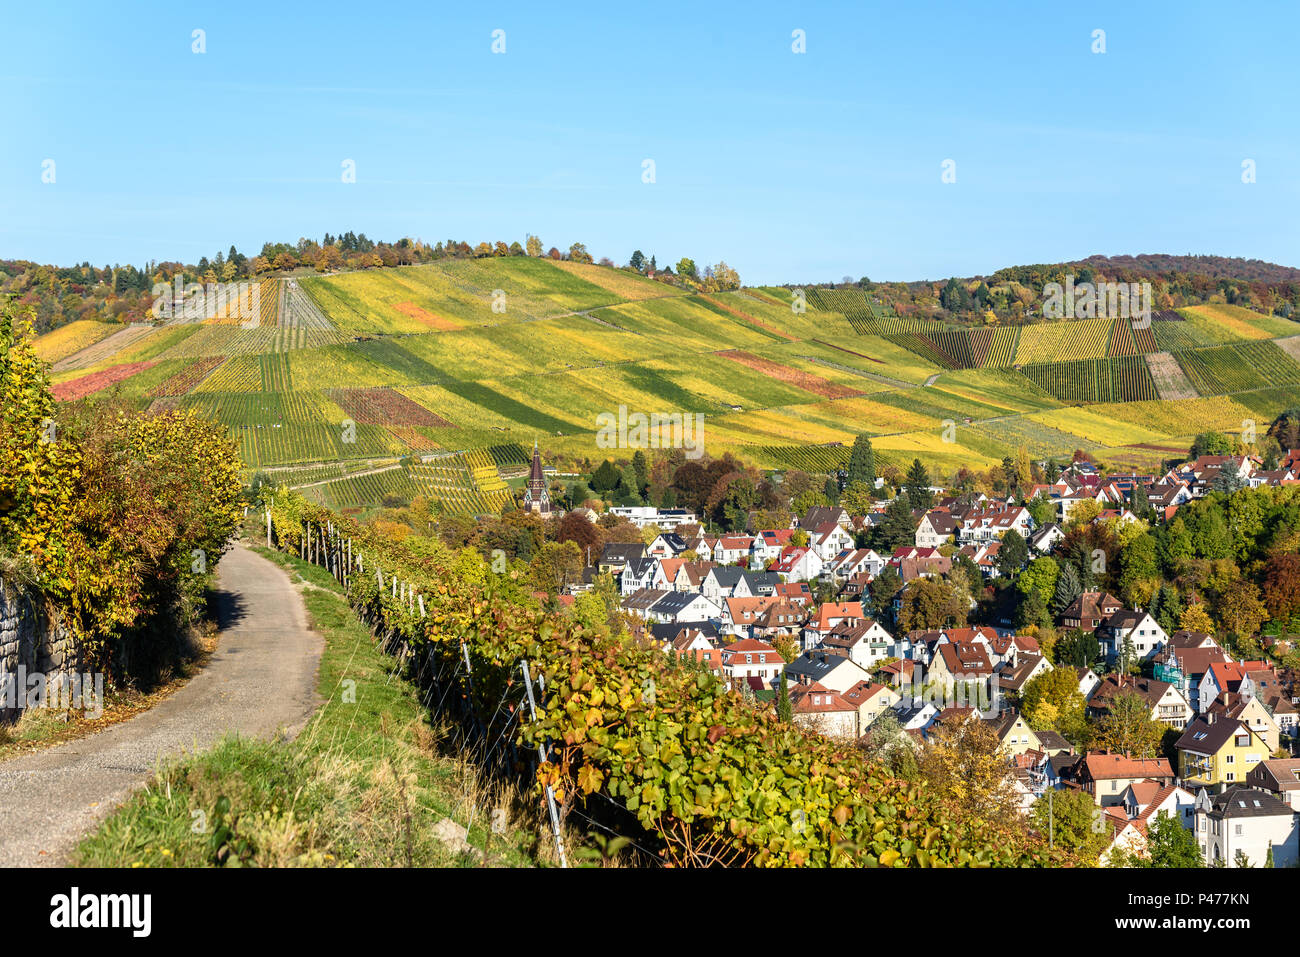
point(436, 379)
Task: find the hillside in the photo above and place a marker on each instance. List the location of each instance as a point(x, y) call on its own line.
point(431, 379)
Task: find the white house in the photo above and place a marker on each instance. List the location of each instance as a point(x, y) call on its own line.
point(644, 515)
point(733, 549)
point(988, 524)
point(1044, 539)
point(1249, 821)
point(683, 606)
point(666, 545)
point(1088, 682)
point(828, 540)
point(724, 582)
point(637, 574)
point(820, 709)
point(798, 564)
point(748, 658)
point(853, 561)
point(834, 671)
point(864, 640)
point(768, 545)
point(1145, 632)
point(935, 528)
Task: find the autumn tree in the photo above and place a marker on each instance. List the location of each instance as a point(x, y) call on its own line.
point(964, 765)
point(574, 527)
point(1052, 701)
point(931, 603)
point(1040, 579)
point(1128, 728)
point(856, 498)
point(1239, 608)
point(1282, 585)
point(1195, 618)
point(555, 565)
point(1070, 816)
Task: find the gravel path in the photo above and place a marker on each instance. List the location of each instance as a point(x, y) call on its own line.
point(261, 678)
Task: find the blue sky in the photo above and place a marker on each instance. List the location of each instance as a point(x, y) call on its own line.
point(791, 167)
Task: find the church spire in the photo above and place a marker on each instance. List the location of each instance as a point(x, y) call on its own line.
point(536, 498)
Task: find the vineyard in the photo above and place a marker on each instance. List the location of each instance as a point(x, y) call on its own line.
point(1117, 379)
point(1236, 368)
point(385, 406)
point(70, 339)
point(93, 382)
point(187, 379)
point(275, 372)
point(349, 372)
point(814, 459)
point(1168, 376)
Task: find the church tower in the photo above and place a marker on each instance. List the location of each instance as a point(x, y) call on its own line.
point(536, 498)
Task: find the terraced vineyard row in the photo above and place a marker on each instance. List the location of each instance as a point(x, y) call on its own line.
point(1004, 346)
point(814, 459)
point(1114, 379)
point(222, 340)
point(277, 444)
point(925, 347)
point(1003, 343)
point(276, 376)
point(313, 474)
point(1236, 368)
point(385, 406)
point(1058, 341)
point(361, 490)
point(185, 380)
point(509, 455)
point(1175, 335)
point(865, 316)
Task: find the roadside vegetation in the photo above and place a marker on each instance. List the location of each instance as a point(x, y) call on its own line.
point(368, 782)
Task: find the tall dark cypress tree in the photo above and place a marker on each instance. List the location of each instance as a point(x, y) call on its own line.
point(783, 710)
point(862, 462)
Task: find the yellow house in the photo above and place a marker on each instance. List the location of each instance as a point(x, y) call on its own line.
point(1217, 752)
point(872, 699)
point(1251, 711)
point(1014, 735)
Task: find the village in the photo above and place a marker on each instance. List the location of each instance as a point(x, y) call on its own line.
point(788, 613)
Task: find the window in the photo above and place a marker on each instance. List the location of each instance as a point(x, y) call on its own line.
point(1237, 830)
